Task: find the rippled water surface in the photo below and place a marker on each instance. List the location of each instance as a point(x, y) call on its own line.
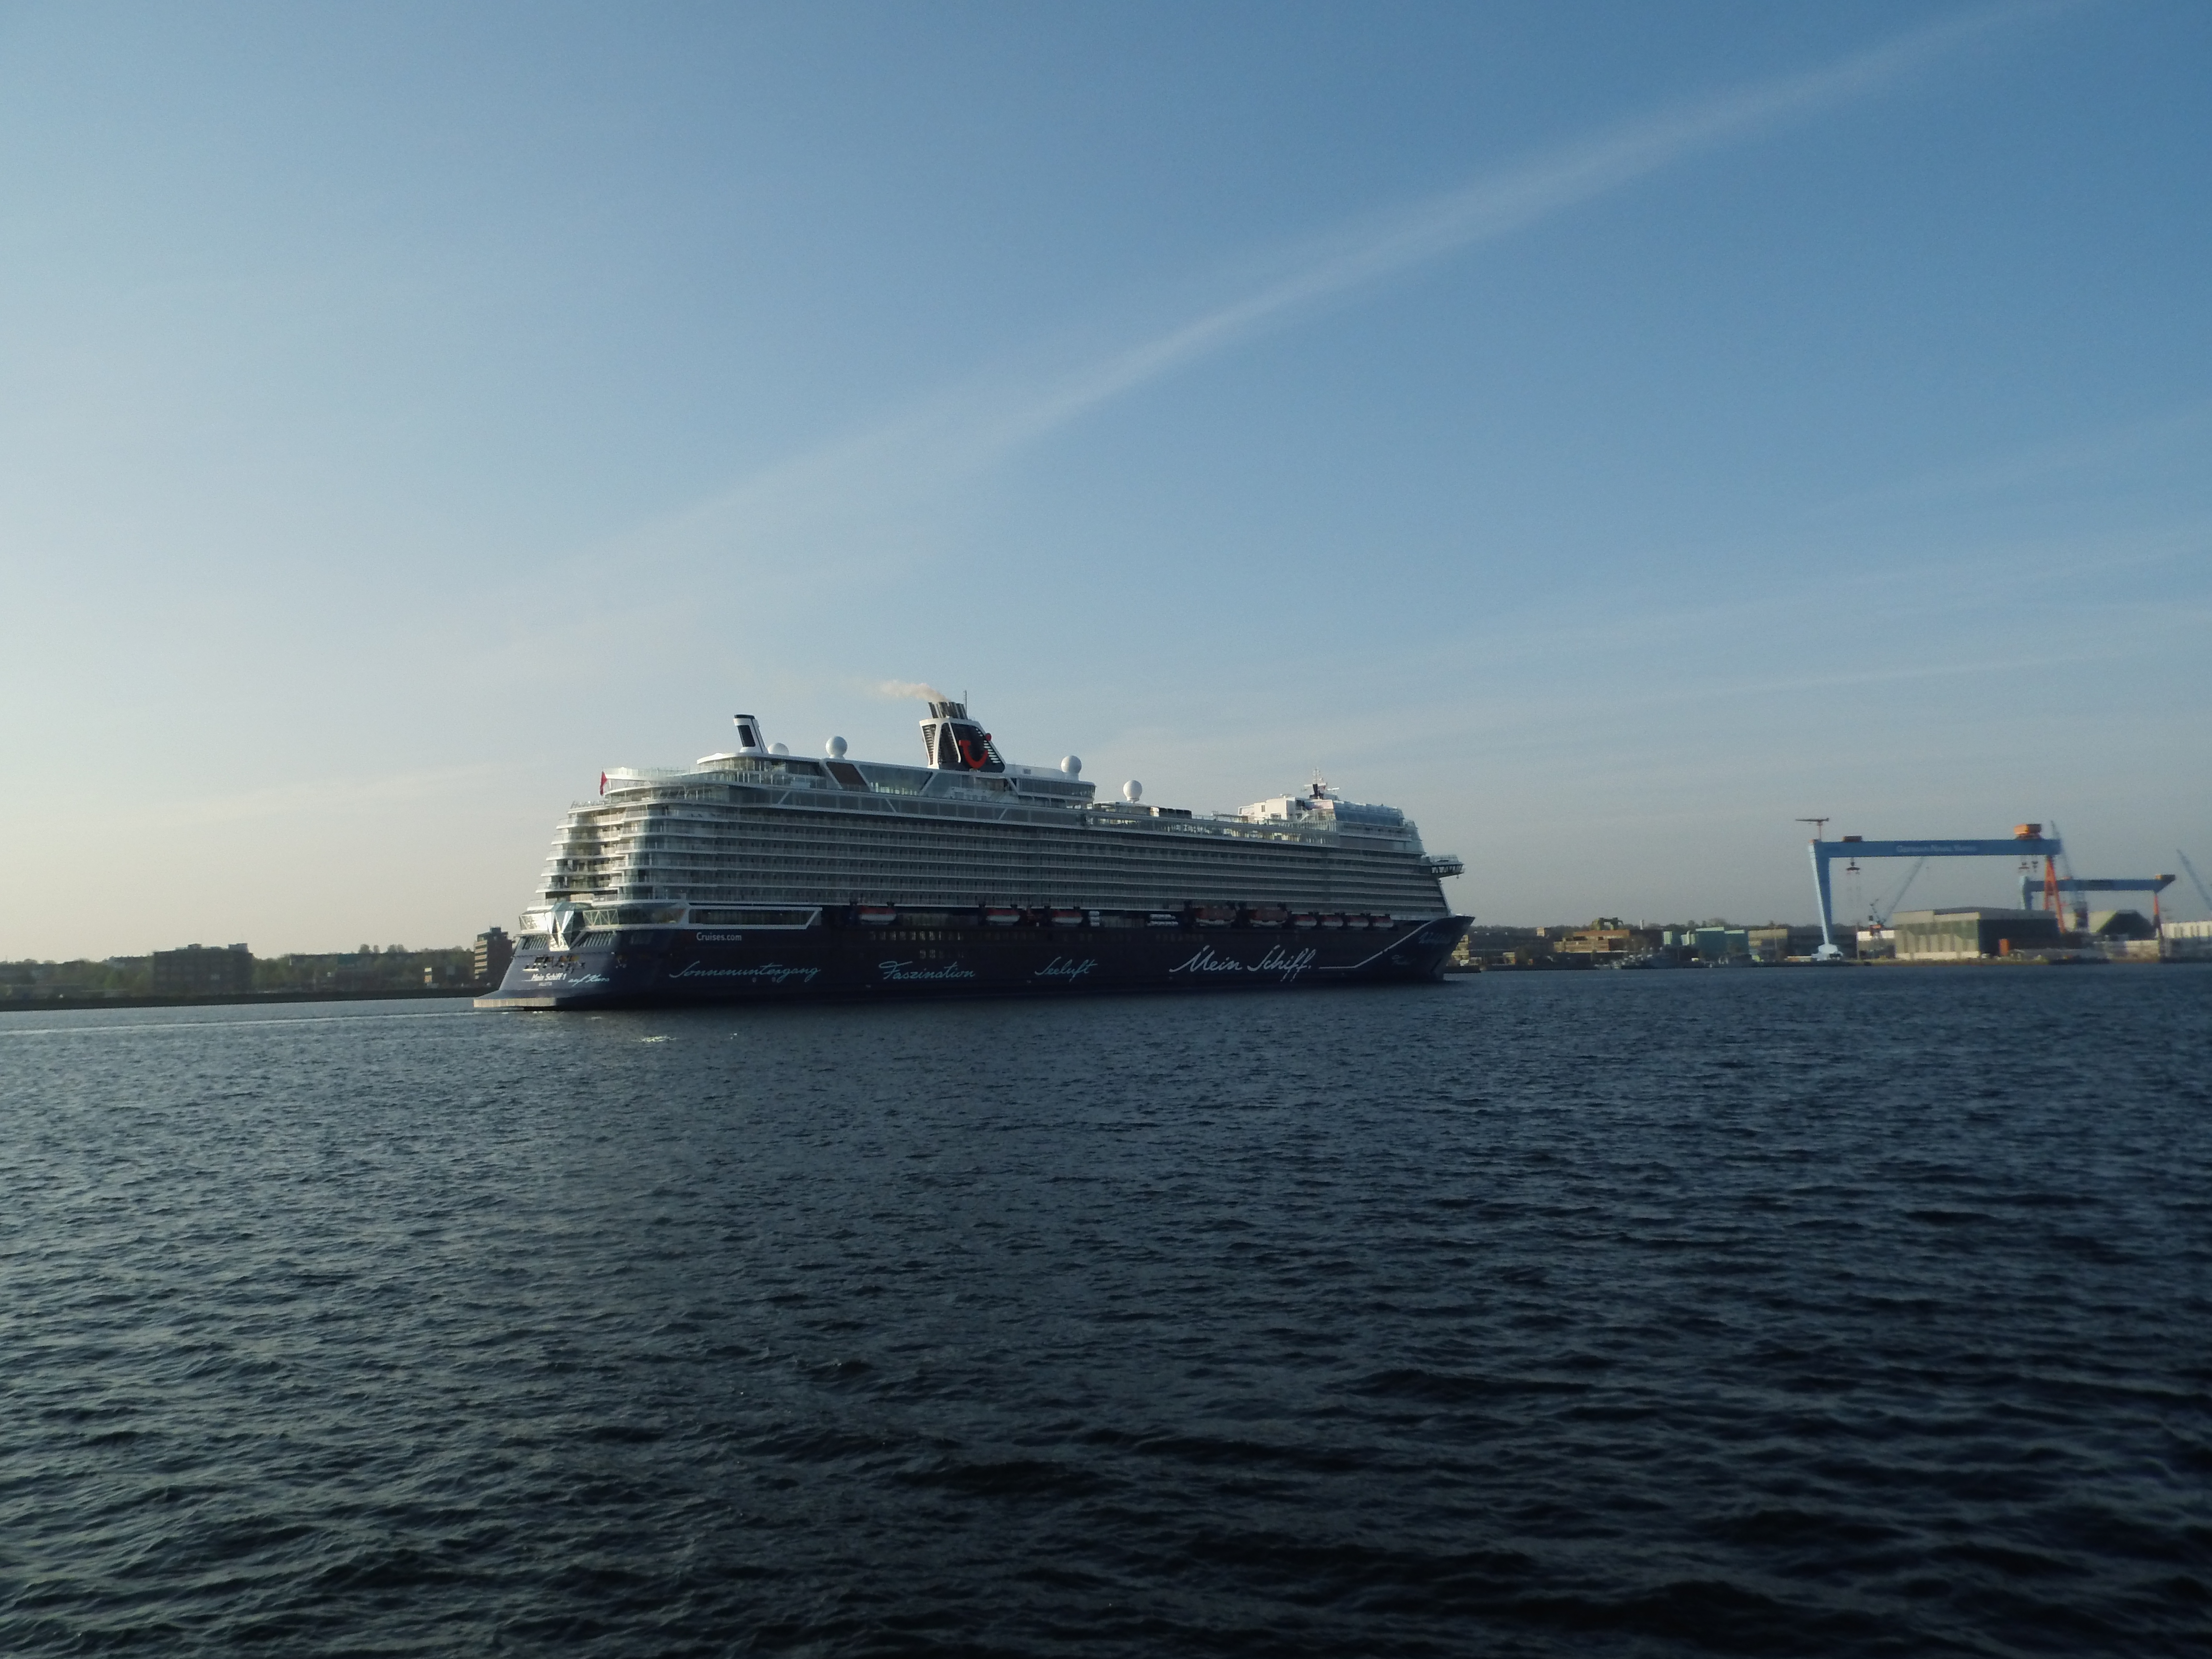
point(1779, 1312)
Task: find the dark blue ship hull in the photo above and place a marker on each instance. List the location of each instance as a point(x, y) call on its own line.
point(962, 957)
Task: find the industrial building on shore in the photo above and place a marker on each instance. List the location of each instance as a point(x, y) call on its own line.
point(202, 970)
point(1965, 934)
point(1970, 935)
point(2186, 941)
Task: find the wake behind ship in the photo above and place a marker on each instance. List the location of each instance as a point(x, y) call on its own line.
point(757, 875)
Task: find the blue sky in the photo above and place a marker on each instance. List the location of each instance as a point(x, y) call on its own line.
point(1609, 432)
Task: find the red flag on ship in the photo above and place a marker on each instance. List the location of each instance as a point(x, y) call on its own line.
point(603, 783)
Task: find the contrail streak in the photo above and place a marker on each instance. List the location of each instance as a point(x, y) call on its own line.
point(968, 431)
point(1500, 204)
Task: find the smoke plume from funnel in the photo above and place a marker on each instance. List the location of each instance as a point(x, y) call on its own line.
point(916, 688)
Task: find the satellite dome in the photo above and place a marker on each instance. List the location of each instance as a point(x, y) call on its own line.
point(835, 748)
point(1072, 764)
point(779, 749)
point(1132, 791)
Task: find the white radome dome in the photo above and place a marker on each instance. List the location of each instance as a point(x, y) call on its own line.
point(779, 749)
point(835, 748)
point(1132, 791)
point(1072, 764)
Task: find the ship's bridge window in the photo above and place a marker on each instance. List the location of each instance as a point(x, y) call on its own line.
point(634, 916)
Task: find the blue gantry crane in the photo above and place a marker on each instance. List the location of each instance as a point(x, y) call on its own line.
point(2027, 841)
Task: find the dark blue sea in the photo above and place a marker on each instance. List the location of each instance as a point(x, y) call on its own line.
point(1768, 1312)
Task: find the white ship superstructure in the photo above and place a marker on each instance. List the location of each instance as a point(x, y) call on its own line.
point(758, 829)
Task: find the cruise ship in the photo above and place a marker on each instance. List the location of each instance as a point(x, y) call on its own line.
point(759, 875)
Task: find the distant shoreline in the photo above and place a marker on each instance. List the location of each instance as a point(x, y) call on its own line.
point(60, 1005)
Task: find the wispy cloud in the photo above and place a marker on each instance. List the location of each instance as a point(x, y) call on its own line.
point(2170, 443)
point(2062, 604)
point(812, 503)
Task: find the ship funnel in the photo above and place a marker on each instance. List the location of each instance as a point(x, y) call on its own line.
point(955, 743)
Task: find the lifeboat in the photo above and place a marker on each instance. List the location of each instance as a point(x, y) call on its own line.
point(1303, 921)
point(1000, 915)
point(1068, 917)
point(1332, 921)
point(875, 915)
point(1268, 915)
point(1215, 915)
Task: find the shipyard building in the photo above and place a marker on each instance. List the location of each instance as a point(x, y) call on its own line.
point(1970, 935)
point(2187, 941)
